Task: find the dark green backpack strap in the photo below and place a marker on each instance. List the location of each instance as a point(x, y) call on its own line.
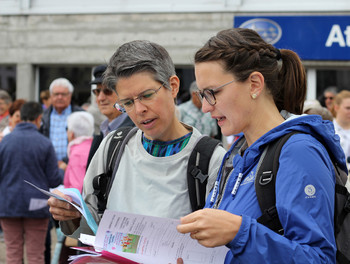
point(197, 170)
point(265, 183)
point(102, 182)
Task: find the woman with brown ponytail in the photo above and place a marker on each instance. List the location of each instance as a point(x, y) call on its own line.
point(251, 87)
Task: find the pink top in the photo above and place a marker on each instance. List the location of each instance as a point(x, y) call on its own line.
point(78, 155)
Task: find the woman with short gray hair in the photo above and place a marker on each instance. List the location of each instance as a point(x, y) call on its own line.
point(80, 127)
point(151, 178)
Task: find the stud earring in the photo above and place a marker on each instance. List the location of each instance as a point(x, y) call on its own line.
point(254, 96)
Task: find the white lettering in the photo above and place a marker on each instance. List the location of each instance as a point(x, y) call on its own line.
point(335, 36)
point(347, 34)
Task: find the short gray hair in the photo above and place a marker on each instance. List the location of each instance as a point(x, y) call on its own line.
point(62, 82)
point(81, 123)
point(193, 87)
point(331, 89)
point(5, 96)
point(139, 56)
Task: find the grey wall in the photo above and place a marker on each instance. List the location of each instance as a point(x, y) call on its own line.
point(30, 40)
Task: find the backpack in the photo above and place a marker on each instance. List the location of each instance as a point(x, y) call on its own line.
point(197, 168)
point(266, 194)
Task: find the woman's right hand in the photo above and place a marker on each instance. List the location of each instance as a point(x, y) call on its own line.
point(61, 210)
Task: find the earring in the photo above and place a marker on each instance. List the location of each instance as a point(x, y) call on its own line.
point(254, 96)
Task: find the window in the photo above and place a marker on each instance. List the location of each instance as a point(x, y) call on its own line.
point(79, 76)
point(8, 80)
point(336, 77)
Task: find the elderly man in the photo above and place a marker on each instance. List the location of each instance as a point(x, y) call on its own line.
point(105, 99)
point(5, 103)
point(54, 125)
point(54, 121)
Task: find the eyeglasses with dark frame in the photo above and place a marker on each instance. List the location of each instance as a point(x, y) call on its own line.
point(107, 91)
point(209, 94)
point(127, 105)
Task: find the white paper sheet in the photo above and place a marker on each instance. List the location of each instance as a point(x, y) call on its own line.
point(150, 240)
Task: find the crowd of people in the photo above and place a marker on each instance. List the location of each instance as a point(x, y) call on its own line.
point(245, 88)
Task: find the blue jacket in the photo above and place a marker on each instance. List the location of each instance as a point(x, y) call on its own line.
point(306, 216)
point(25, 154)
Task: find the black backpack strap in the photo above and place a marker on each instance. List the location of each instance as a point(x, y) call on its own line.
point(341, 191)
point(341, 258)
point(118, 154)
point(265, 183)
point(342, 218)
point(197, 170)
point(102, 182)
point(342, 221)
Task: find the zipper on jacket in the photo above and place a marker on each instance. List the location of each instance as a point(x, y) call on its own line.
point(227, 171)
point(221, 192)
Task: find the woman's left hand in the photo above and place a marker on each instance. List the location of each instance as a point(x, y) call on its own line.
point(211, 227)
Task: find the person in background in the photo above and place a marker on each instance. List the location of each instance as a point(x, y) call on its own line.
point(80, 127)
point(25, 154)
point(15, 117)
point(5, 103)
point(98, 116)
point(152, 175)
point(342, 121)
point(191, 114)
point(54, 125)
point(249, 86)
point(313, 107)
point(54, 121)
point(327, 99)
point(45, 99)
point(93, 108)
point(105, 99)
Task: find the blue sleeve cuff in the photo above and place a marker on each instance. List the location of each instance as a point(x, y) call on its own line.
point(239, 242)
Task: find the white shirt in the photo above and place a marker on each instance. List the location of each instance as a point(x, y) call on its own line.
point(344, 135)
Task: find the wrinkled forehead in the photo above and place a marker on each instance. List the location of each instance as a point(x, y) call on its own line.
point(60, 89)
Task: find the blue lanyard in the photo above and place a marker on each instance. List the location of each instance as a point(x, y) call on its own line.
point(216, 185)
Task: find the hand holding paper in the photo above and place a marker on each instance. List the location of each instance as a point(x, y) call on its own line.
point(68, 205)
point(62, 206)
point(148, 240)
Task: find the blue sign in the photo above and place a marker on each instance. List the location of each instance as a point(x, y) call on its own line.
point(312, 37)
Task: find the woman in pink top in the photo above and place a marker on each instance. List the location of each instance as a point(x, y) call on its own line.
point(80, 127)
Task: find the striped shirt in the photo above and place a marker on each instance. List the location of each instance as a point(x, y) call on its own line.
point(164, 149)
point(58, 131)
